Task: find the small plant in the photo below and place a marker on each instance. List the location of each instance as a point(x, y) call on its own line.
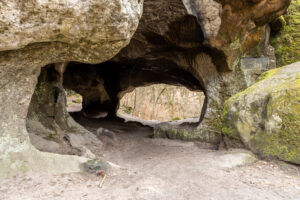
point(77, 101)
point(126, 109)
point(176, 119)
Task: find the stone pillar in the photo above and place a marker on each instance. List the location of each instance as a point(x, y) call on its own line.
point(209, 129)
point(17, 84)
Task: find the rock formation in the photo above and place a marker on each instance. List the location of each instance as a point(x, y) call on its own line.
point(266, 116)
point(195, 43)
point(34, 34)
point(170, 39)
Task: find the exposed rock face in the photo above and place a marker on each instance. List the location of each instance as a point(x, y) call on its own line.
point(266, 116)
point(36, 33)
point(204, 38)
point(208, 14)
point(103, 27)
point(47, 115)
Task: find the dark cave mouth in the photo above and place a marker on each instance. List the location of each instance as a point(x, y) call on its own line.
point(103, 86)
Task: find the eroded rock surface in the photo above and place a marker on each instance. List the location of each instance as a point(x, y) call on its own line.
point(208, 13)
point(204, 38)
point(36, 33)
point(266, 116)
point(103, 27)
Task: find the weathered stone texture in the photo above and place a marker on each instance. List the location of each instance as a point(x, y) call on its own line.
point(266, 116)
point(38, 32)
point(208, 13)
point(103, 27)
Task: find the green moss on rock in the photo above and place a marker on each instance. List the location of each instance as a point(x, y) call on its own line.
point(167, 131)
point(285, 143)
point(268, 74)
point(266, 116)
point(287, 41)
point(185, 134)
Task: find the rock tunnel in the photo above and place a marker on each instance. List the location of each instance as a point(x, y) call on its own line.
point(108, 82)
point(196, 44)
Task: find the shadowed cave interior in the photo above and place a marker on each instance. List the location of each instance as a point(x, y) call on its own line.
point(110, 81)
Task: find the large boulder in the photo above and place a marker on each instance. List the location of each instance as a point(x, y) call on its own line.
point(90, 31)
point(266, 116)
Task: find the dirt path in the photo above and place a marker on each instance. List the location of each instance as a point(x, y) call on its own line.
point(161, 169)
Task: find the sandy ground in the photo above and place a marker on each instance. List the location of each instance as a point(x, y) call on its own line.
point(161, 169)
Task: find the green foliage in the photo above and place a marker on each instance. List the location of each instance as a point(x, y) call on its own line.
point(176, 118)
point(287, 42)
point(78, 101)
point(126, 109)
point(229, 131)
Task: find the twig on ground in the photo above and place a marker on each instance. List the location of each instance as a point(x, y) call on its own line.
point(102, 182)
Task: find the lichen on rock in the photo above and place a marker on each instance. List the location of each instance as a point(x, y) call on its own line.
point(266, 116)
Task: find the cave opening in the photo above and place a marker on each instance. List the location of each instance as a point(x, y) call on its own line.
point(103, 86)
point(162, 102)
point(74, 101)
point(67, 95)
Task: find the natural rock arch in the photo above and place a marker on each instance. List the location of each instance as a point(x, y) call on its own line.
point(27, 45)
point(109, 81)
point(207, 44)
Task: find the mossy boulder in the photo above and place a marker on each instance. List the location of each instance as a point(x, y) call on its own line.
point(186, 133)
point(266, 116)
